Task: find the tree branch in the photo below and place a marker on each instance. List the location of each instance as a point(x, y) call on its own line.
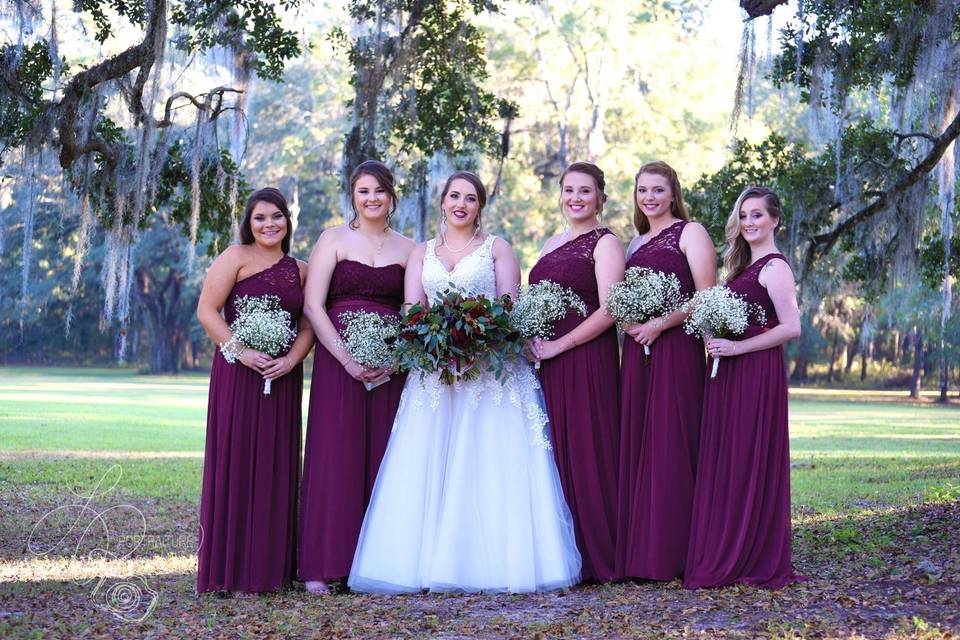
point(821, 243)
point(757, 8)
point(137, 56)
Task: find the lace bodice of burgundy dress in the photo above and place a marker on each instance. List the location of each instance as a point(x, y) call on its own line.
point(663, 253)
point(747, 284)
point(352, 280)
point(281, 280)
point(572, 265)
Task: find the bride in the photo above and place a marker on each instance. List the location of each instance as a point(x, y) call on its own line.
point(468, 497)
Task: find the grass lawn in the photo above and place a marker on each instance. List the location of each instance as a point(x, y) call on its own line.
point(876, 484)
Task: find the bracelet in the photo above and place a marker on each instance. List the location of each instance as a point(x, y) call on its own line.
point(232, 349)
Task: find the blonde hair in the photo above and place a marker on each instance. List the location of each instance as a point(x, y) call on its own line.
point(595, 172)
point(736, 256)
point(677, 207)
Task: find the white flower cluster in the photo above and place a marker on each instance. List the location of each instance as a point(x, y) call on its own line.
point(542, 304)
point(644, 294)
point(368, 337)
point(262, 324)
point(719, 312)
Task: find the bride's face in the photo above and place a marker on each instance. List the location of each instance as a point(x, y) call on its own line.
point(461, 205)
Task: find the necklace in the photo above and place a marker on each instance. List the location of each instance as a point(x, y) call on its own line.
point(380, 243)
point(443, 236)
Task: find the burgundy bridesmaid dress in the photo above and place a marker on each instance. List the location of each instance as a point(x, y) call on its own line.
point(347, 429)
point(740, 528)
point(581, 390)
point(248, 502)
point(661, 400)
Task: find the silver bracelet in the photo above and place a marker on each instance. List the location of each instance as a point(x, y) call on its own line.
point(232, 349)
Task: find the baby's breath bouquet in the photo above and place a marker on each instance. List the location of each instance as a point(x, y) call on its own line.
point(262, 324)
point(540, 306)
point(718, 312)
point(643, 295)
point(370, 339)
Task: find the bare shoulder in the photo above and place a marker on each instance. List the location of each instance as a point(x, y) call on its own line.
point(776, 271)
point(407, 243)
point(233, 256)
point(694, 231)
point(552, 243)
point(501, 247)
point(610, 242)
point(417, 252)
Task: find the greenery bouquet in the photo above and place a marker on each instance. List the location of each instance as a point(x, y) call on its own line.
point(459, 336)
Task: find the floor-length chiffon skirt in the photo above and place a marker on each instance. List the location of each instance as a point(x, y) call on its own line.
point(347, 432)
point(248, 504)
point(661, 401)
point(581, 390)
point(740, 528)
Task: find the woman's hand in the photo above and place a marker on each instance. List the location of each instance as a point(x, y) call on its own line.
point(645, 333)
point(278, 367)
point(255, 360)
point(545, 349)
point(721, 348)
point(357, 371)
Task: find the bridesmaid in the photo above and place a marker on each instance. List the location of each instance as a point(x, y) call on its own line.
point(248, 502)
point(661, 396)
point(579, 369)
point(356, 266)
point(740, 529)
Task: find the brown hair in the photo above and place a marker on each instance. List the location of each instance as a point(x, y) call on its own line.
point(477, 183)
point(677, 207)
point(594, 172)
point(274, 197)
point(384, 177)
point(736, 257)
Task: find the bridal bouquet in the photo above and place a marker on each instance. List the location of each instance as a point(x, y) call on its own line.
point(459, 336)
point(263, 325)
point(718, 312)
point(370, 339)
point(644, 294)
point(540, 306)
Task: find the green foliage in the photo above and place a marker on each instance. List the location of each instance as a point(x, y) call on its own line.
point(173, 191)
point(230, 23)
point(864, 41)
point(23, 71)
point(135, 12)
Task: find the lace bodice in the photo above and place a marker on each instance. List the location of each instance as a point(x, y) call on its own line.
point(473, 275)
point(747, 284)
point(281, 280)
point(663, 253)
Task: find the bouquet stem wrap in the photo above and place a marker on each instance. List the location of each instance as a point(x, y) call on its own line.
point(718, 312)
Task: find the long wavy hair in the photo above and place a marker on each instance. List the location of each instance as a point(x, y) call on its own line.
point(477, 183)
point(677, 206)
point(274, 197)
point(384, 177)
point(594, 172)
point(736, 256)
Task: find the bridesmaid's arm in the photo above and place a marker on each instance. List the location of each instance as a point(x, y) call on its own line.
point(609, 266)
point(413, 278)
point(221, 278)
point(301, 345)
point(323, 260)
point(506, 268)
point(777, 278)
point(701, 256)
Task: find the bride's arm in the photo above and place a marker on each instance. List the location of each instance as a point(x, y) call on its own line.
point(506, 267)
point(413, 278)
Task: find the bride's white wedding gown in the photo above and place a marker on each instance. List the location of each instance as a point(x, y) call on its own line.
point(468, 497)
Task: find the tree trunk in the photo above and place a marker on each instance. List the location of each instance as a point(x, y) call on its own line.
point(800, 365)
point(917, 363)
point(161, 304)
point(852, 349)
point(833, 354)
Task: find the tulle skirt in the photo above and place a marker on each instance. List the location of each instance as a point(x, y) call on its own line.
point(468, 497)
